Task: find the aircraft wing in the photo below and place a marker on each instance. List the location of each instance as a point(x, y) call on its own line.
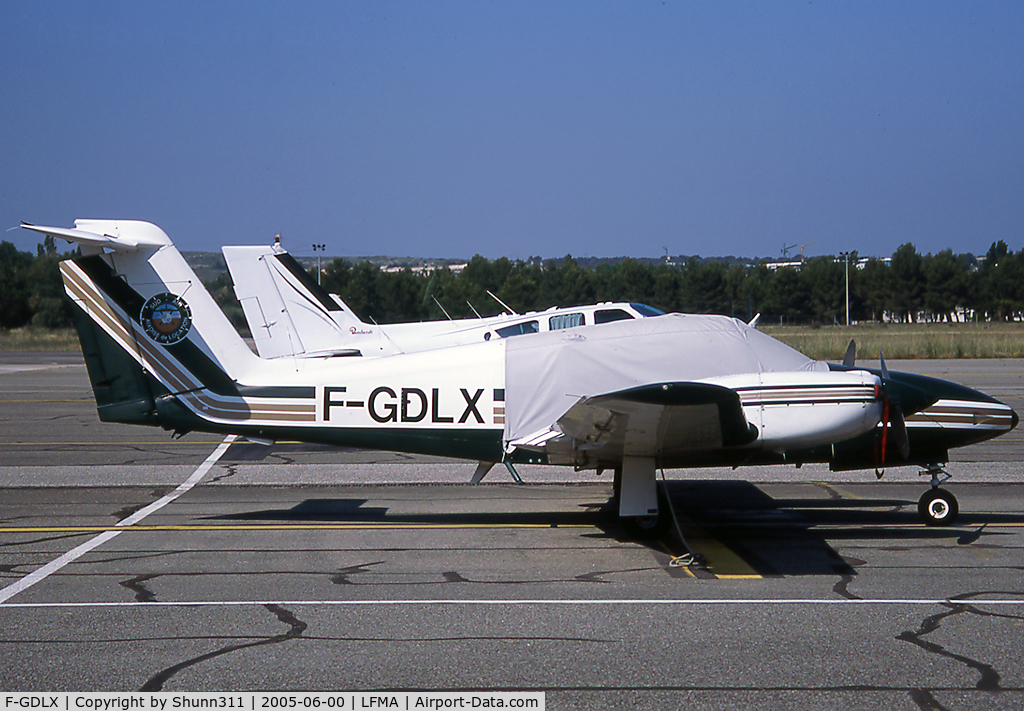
point(662, 420)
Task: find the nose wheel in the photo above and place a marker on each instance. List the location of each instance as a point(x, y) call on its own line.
point(937, 507)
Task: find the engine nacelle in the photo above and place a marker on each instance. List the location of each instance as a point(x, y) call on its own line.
point(808, 409)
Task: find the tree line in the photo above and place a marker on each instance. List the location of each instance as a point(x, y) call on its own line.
point(31, 290)
point(910, 287)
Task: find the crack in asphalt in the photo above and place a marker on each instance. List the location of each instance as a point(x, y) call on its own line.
point(989, 678)
point(344, 577)
point(127, 511)
point(44, 539)
point(842, 588)
point(832, 493)
point(295, 629)
point(232, 469)
point(926, 701)
point(847, 570)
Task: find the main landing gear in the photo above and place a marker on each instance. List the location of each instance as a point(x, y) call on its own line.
point(643, 507)
point(937, 507)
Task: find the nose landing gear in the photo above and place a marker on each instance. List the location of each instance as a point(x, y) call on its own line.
point(937, 507)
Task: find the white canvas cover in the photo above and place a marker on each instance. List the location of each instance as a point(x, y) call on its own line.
point(546, 373)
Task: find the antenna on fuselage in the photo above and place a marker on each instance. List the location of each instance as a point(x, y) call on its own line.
point(503, 304)
point(441, 307)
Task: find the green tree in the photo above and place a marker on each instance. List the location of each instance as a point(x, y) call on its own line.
point(521, 288)
point(824, 280)
point(996, 293)
point(706, 289)
point(565, 284)
point(399, 296)
point(753, 291)
point(14, 289)
point(872, 288)
point(223, 292)
point(945, 284)
point(786, 297)
point(667, 289)
point(907, 282)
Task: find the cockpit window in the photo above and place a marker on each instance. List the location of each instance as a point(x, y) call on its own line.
point(560, 321)
point(517, 329)
point(645, 310)
point(609, 315)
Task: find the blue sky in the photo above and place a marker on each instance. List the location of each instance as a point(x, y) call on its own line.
point(514, 129)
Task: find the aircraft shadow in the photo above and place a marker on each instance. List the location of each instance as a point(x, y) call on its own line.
point(356, 510)
point(774, 537)
point(793, 536)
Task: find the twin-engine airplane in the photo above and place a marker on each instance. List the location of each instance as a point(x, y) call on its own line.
point(630, 396)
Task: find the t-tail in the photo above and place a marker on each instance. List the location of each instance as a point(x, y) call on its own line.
point(158, 349)
point(288, 313)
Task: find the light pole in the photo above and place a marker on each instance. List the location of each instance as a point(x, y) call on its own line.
point(846, 260)
point(322, 247)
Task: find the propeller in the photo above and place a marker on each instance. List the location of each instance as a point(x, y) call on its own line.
point(851, 354)
point(898, 397)
point(892, 412)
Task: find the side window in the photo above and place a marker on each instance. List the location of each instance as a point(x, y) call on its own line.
point(560, 321)
point(517, 329)
point(646, 310)
point(609, 315)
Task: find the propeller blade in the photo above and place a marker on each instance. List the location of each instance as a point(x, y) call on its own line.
point(849, 360)
point(908, 398)
point(885, 371)
point(899, 432)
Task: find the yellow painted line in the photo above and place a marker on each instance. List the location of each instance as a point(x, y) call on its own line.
point(161, 442)
point(726, 560)
point(670, 552)
point(284, 527)
point(843, 494)
point(722, 561)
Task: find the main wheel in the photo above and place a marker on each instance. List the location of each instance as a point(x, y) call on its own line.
point(644, 528)
point(938, 507)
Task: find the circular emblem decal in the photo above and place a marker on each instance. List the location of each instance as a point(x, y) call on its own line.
point(166, 318)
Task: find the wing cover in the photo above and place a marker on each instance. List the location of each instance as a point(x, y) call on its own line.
point(548, 373)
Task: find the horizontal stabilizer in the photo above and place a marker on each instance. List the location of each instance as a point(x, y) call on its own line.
point(118, 235)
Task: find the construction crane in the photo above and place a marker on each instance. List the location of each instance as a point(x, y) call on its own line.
point(806, 244)
point(785, 250)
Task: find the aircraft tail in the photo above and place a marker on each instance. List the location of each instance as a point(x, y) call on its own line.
point(288, 313)
point(158, 348)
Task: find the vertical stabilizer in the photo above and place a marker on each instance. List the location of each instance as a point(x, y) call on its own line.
point(148, 326)
point(289, 314)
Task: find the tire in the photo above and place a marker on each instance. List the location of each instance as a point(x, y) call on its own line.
point(938, 507)
point(645, 528)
